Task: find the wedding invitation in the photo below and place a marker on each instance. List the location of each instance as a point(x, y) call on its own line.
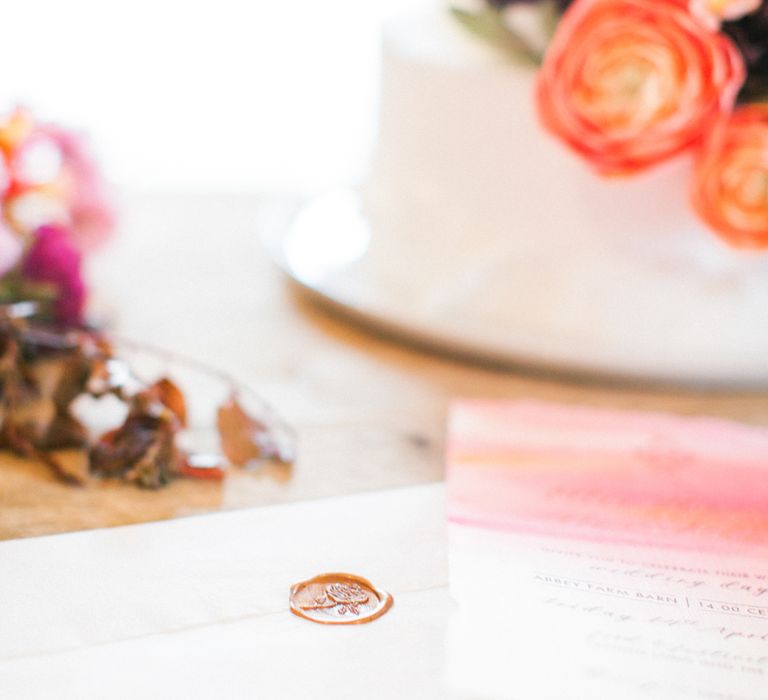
point(606, 555)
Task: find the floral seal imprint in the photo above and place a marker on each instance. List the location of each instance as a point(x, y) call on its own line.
point(338, 599)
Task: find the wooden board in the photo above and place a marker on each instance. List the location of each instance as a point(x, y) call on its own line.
point(187, 273)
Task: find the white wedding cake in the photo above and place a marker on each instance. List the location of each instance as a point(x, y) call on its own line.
point(480, 215)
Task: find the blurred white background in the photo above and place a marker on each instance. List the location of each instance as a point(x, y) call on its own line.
point(234, 95)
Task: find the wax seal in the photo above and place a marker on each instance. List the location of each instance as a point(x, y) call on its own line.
point(339, 599)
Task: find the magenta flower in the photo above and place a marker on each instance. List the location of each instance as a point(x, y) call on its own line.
point(53, 259)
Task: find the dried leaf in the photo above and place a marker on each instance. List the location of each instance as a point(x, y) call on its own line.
point(172, 398)
point(243, 438)
point(143, 449)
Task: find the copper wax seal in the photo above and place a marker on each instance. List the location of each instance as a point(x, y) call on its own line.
point(339, 599)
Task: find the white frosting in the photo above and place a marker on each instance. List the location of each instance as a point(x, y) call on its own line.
point(466, 187)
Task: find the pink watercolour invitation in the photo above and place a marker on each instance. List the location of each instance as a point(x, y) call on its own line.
point(602, 554)
point(639, 478)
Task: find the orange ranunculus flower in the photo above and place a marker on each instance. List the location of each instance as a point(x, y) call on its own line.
point(730, 183)
point(629, 83)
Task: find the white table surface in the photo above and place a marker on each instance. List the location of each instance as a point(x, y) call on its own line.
point(198, 607)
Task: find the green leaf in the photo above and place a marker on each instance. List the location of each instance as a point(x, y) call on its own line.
point(489, 26)
point(550, 16)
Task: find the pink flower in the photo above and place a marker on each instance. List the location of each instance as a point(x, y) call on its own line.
point(47, 177)
point(53, 259)
point(92, 218)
